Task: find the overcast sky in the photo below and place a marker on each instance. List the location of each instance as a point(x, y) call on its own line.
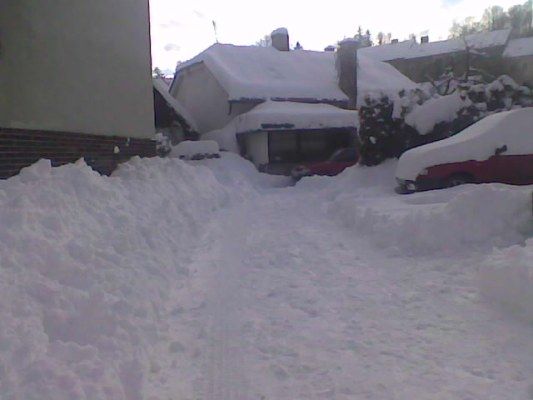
point(183, 28)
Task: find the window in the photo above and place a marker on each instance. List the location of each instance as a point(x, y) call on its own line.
point(306, 146)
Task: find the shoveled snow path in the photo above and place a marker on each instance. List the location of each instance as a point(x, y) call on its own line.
point(288, 305)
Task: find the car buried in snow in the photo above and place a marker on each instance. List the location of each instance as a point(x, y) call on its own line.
point(334, 165)
point(499, 148)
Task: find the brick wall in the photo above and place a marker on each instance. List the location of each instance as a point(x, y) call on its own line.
point(21, 148)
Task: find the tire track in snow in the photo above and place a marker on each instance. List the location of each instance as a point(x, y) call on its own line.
point(224, 359)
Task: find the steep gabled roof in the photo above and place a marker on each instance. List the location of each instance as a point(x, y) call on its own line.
point(261, 73)
point(162, 88)
point(264, 73)
point(410, 49)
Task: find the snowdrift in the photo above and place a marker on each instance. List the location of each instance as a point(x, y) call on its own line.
point(88, 269)
point(506, 279)
point(445, 222)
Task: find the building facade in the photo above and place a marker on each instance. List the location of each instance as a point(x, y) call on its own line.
point(75, 81)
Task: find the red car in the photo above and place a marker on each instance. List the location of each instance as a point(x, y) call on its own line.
point(499, 148)
point(338, 162)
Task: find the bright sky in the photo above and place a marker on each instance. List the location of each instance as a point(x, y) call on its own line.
point(183, 28)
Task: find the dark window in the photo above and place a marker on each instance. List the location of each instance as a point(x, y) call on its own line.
point(306, 146)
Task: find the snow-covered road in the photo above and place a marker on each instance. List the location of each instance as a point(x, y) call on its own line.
point(206, 281)
point(298, 307)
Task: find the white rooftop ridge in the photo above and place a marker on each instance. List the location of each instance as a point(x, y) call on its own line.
point(412, 49)
point(264, 73)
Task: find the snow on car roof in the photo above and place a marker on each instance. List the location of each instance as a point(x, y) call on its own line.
point(411, 49)
point(477, 142)
point(263, 73)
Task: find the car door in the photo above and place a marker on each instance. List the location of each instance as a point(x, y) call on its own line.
point(343, 159)
point(514, 169)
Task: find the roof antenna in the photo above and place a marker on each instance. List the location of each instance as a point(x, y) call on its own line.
point(215, 29)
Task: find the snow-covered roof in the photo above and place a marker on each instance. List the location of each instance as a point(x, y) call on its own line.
point(264, 73)
point(288, 115)
point(162, 88)
point(477, 142)
point(519, 47)
point(254, 72)
point(379, 77)
point(411, 49)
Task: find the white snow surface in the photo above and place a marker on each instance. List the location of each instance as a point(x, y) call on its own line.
point(206, 279)
point(412, 49)
point(295, 115)
point(190, 148)
point(519, 48)
point(441, 109)
point(477, 142)
point(375, 78)
point(254, 72)
point(507, 280)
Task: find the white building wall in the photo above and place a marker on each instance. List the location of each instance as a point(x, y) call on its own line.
point(257, 148)
point(201, 94)
point(76, 65)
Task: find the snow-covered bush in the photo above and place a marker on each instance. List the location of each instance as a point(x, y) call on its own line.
point(390, 126)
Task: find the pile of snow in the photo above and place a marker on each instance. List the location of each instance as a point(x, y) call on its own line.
point(89, 270)
point(443, 222)
point(442, 109)
point(274, 115)
point(477, 142)
point(379, 78)
point(506, 279)
point(196, 150)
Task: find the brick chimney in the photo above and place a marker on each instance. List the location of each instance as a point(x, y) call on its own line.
point(424, 39)
point(280, 39)
point(346, 65)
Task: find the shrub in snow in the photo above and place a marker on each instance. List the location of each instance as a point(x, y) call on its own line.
point(383, 133)
point(390, 126)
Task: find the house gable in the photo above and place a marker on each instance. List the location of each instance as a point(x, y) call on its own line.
point(200, 93)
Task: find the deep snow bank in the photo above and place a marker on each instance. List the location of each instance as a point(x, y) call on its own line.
point(443, 222)
point(506, 278)
point(87, 267)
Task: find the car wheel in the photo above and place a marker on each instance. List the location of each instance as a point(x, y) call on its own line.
point(459, 179)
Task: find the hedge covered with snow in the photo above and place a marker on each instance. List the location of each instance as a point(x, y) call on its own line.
point(389, 126)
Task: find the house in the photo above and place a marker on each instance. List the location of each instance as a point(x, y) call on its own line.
point(75, 81)
point(171, 118)
point(428, 60)
point(518, 60)
point(295, 99)
point(494, 52)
